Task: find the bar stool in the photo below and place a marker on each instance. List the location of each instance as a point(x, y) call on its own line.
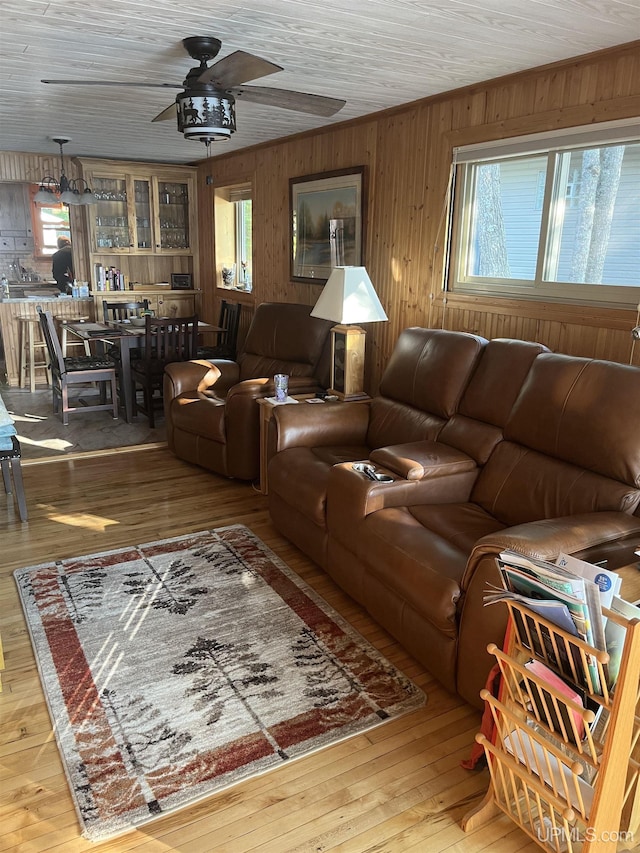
point(67, 341)
point(10, 461)
point(30, 343)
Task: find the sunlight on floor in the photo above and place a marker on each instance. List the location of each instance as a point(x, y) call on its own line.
point(91, 522)
point(58, 444)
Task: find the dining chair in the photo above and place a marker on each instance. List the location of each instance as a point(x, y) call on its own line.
point(165, 341)
point(123, 310)
point(227, 346)
point(77, 371)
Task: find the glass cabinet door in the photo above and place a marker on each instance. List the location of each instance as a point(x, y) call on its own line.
point(173, 204)
point(142, 213)
point(111, 213)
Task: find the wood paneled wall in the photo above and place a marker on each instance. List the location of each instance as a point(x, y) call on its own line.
point(407, 152)
point(31, 168)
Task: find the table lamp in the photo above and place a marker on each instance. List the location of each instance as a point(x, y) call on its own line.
point(347, 298)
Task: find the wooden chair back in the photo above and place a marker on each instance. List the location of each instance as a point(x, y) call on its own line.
point(167, 340)
point(227, 345)
point(52, 341)
point(118, 311)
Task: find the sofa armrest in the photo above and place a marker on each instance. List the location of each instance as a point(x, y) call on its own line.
point(479, 624)
point(181, 376)
point(314, 426)
point(549, 537)
point(420, 459)
point(351, 496)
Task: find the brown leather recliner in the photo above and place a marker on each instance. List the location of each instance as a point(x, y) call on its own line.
point(211, 412)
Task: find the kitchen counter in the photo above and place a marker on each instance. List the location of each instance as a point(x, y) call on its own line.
point(10, 309)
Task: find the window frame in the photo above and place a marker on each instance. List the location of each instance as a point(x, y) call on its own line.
point(230, 236)
point(37, 225)
point(553, 145)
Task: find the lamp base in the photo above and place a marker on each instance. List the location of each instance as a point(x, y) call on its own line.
point(347, 362)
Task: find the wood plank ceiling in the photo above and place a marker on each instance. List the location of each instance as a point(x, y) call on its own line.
point(373, 53)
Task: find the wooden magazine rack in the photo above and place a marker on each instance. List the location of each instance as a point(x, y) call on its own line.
point(568, 775)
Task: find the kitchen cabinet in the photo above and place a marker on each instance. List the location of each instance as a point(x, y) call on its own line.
point(144, 223)
point(16, 234)
point(163, 302)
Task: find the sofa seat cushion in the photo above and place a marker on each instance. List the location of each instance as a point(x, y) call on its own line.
point(198, 414)
point(421, 557)
point(460, 524)
point(299, 475)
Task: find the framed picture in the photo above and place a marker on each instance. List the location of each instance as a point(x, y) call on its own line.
point(326, 223)
point(181, 281)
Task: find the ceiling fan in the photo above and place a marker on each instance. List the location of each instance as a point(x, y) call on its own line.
point(205, 109)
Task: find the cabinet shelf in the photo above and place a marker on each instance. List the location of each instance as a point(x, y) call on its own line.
point(144, 224)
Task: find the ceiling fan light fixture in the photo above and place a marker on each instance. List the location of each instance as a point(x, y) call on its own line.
point(207, 115)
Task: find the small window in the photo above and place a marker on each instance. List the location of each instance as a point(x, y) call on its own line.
point(234, 237)
point(561, 223)
point(49, 221)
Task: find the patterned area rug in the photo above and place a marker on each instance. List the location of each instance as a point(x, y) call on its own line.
point(177, 668)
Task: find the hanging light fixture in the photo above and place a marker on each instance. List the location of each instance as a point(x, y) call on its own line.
point(62, 190)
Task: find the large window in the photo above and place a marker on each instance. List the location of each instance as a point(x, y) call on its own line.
point(234, 237)
point(550, 218)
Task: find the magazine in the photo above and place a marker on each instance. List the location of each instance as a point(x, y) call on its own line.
point(530, 577)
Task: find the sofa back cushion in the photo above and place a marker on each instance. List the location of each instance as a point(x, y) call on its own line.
point(422, 384)
point(583, 411)
point(572, 443)
point(283, 338)
point(518, 485)
point(489, 397)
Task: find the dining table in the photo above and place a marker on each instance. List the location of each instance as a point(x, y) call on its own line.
point(126, 336)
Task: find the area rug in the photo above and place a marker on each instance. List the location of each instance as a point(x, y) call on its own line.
point(177, 668)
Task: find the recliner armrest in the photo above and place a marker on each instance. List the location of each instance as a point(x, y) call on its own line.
point(181, 376)
point(419, 459)
point(305, 425)
point(351, 496)
point(548, 537)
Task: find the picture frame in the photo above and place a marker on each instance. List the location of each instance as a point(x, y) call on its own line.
point(181, 281)
point(326, 221)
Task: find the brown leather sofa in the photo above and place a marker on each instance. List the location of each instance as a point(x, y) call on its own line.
point(211, 412)
point(542, 455)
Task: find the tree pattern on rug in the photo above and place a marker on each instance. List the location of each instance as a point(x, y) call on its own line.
point(85, 593)
point(327, 680)
point(175, 590)
point(240, 667)
point(149, 738)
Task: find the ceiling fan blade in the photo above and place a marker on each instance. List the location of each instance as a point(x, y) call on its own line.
point(318, 105)
point(114, 83)
point(166, 114)
point(237, 68)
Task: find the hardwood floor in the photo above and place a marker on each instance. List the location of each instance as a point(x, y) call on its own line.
point(397, 788)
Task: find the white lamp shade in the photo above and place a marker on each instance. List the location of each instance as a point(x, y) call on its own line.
point(349, 297)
